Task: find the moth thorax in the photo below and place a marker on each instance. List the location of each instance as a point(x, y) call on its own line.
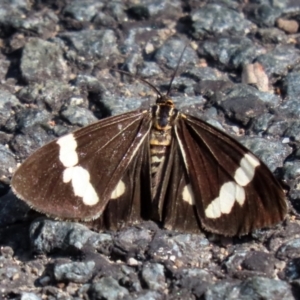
point(164, 116)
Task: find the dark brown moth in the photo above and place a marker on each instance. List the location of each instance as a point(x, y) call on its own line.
point(157, 164)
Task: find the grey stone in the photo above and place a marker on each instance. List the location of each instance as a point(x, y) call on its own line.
point(149, 69)
point(131, 241)
point(180, 249)
point(107, 288)
point(262, 123)
point(154, 277)
point(47, 235)
point(291, 170)
point(151, 295)
point(265, 14)
point(254, 288)
point(292, 131)
point(232, 52)
point(243, 90)
point(243, 110)
point(157, 7)
point(78, 116)
point(259, 261)
point(265, 288)
point(11, 11)
point(278, 61)
point(43, 23)
point(12, 210)
point(90, 83)
point(290, 109)
point(79, 272)
point(32, 118)
point(204, 73)
point(122, 103)
point(289, 249)
point(170, 52)
point(116, 9)
point(41, 61)
point(92, 44)
point(292, 269)
point(272, 35)
point(132, 62)
point(7, 102)
point(217, 19)
point(29, 296)
point(54, 93)
point(234, 261)
point(8, 161)
point(31, 138)
point(83, 10)
point(278, 127)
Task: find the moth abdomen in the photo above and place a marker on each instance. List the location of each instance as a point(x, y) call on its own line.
point(160, 143)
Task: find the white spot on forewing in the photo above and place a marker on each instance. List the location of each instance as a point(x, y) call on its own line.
point(67, 150)
point(67, 175)
point(240, 195)
point(229, 193)
point(245, 173)
point(90, 196)
point(188, 195)
point(118, 191)
point(80, 179)
point(227, 197)
point(213, 211)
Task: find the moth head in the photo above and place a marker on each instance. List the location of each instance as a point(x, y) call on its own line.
point(164, 100)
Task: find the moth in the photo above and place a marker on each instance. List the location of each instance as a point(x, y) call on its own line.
point(157, 164)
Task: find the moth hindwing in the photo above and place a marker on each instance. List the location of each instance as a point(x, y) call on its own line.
point(158, 164)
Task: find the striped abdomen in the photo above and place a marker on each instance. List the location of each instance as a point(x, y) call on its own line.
point(160, 143)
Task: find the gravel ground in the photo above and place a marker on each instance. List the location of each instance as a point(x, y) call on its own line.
point(240, 72)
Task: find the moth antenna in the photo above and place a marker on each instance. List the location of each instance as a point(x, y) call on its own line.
point(140, 79)
point(175, 72)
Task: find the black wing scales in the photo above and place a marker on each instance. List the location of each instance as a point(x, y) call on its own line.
point(104, 151)
point(212, 159)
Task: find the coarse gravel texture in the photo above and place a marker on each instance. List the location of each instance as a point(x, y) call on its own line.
point(240, 72)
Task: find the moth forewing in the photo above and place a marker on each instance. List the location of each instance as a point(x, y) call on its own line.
point(75, 176)
point(234, 191)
